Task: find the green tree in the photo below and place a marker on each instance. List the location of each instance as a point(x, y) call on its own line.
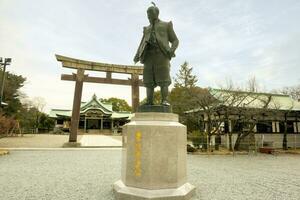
point(185, 78)
point(156, 98)
point(11, 93)
point(118, 104)
point(184, 87)
point(27, 117)
point(45, 122)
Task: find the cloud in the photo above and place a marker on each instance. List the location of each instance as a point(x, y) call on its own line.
point(220, 39)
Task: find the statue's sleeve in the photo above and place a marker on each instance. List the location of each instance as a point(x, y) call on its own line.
point(139, 48)
point(172, 37)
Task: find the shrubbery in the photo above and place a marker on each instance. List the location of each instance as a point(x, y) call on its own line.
point(6, 125)
point(199, 139)
point(18, 116)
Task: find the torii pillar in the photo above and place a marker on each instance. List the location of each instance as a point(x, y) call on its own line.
point(79, 77)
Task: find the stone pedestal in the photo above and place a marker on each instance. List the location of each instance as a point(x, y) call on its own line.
point(154, 159)
point(155, 108)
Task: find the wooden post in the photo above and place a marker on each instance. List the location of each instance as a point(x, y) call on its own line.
point(135, 93)
point(76, 105)
point(85, 123)
point(108, 75)
point(297, 123)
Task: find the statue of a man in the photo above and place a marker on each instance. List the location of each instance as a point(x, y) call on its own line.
point(155, 53)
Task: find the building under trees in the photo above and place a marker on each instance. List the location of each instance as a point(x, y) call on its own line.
point(240, 119)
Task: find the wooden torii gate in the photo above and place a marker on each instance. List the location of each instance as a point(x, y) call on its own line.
point(80, 77)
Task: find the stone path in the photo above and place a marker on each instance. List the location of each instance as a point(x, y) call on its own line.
point(57, 141)
point(100, 141)
point(34, 141)
point(88, 174)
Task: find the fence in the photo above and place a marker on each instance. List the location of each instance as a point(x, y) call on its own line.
point(254, 143)
point(261, 140)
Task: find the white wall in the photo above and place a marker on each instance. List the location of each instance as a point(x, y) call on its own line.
point(292, 139)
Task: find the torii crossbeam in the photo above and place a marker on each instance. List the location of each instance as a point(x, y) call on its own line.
point(80, 77)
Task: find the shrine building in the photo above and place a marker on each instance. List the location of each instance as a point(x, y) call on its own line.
point(95, 117)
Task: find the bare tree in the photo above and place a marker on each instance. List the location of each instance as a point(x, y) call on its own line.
point(293, 91)
point(37, 104)
point(252, 85)
point(241, 108)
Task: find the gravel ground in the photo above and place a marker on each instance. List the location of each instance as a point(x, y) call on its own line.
point(89, 174)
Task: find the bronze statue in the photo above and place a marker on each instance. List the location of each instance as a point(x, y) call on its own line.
point(155, 53)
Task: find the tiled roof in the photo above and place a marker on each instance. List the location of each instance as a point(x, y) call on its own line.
point(58, 112)
point(255, 99)
point(252, 100)
point(93, 104)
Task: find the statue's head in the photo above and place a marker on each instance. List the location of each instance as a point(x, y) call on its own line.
point(152, 13)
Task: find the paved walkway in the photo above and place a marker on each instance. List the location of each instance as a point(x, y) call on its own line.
point(34, 141)
point(57, 141)
point(100, 141)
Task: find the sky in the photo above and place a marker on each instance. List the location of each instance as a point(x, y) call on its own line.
point(220, 39)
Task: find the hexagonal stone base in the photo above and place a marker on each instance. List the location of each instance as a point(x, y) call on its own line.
point(123, 192)
point(154, 158)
